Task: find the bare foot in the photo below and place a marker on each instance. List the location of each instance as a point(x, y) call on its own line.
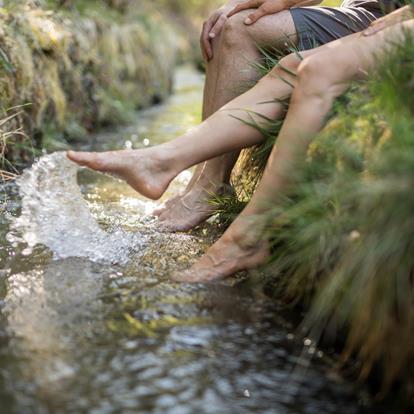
point(147, 171)
point(171, 201)
point(230, 254)
point(167, 204)
point(192, 208)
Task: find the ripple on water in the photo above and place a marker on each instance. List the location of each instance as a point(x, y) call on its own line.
point(85, 335)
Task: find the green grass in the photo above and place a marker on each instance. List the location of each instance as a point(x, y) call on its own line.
point(342, 238)
point(331, 3)
point(80, 68)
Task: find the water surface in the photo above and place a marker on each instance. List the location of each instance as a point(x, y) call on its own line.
point(90, 323)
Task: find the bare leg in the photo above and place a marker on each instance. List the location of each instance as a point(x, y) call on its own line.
point(151, 170)
point(229, 73)
point(242, 245)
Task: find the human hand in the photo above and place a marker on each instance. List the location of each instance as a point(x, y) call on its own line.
point(213, 26)
point(388, 20)
point(264, 8)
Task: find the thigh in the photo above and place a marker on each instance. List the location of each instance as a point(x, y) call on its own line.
point(354, 56)
point(294, 27)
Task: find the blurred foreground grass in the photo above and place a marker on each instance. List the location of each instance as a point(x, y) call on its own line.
point(342, 238)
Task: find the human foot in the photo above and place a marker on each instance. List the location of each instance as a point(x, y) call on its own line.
point(167, 204)
point(192, 208)
point(238, 249)
point(147, 171)
point(171, 201)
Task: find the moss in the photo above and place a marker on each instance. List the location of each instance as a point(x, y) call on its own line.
point(88, 65)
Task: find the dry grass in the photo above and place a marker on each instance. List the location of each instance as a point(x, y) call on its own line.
point(8, 137)
point(81, 68)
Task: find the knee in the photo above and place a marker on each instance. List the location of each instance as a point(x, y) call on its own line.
point(312, 74)
point(316, 79)
point(285, 69)
point(288, 65)
point(234, 32)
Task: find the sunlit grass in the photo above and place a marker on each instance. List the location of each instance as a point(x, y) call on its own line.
point(342, 239)
point(8, 137)
point(331, 3)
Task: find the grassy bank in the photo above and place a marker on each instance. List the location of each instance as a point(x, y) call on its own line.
point(342, 238)
point(67, 68)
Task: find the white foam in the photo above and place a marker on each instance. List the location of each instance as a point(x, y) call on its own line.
point(55, 214)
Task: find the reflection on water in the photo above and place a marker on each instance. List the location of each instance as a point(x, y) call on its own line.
point(89, 322)
point(47, 309)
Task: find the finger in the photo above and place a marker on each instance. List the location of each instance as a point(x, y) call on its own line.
point(203, 52)
point(374, 29)
point(254, 17)
point(215, 31)
point(250, 4)
point(205, 40)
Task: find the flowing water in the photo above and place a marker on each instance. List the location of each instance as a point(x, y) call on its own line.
point(89, 322)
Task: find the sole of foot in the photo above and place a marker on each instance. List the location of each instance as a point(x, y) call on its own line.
point(137, 167)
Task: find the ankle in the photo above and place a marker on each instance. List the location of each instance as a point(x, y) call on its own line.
point(247, 231)
point(217, 183)
point(176, 157)
point(167, 160)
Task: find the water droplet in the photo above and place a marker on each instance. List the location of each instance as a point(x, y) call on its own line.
point(354, 235)
point(55, 214)
point(27, 252)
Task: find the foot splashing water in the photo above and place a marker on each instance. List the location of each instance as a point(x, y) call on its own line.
point(55, 214)
point(108, 333)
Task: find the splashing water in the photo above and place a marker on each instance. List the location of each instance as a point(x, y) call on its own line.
point(55, 214)
point(81, 336)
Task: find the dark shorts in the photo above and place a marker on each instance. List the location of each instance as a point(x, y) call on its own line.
point(316, 26)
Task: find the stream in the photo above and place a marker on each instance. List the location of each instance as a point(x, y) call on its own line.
point(90, 323)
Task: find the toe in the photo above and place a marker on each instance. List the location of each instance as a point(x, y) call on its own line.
point(81, 158)
point(168, 227)
point(195, 275)
point(204, 270)
point(164, 214)
point(163, 208)
point(183, 277)
point(159, 210)
point(72, 155)
point(172, 226)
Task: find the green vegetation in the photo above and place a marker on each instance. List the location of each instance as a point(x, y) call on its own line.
point(67, 68)
point(346, 230)
point(342, 239)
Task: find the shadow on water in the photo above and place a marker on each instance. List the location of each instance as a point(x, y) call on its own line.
point(89, 322)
